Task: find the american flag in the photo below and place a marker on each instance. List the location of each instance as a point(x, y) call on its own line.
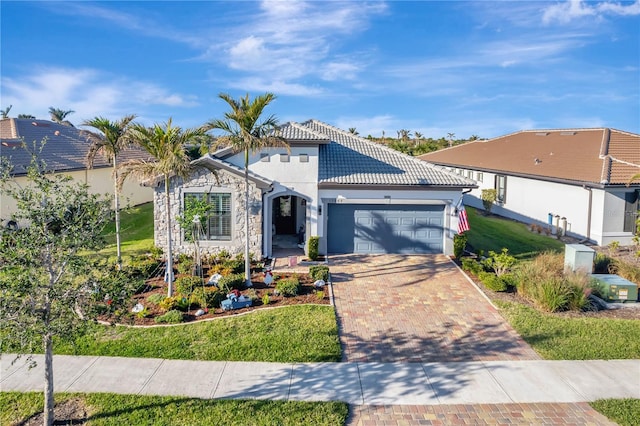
point(463, 221)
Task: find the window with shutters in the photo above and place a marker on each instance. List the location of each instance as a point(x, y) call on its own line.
point(217, 225)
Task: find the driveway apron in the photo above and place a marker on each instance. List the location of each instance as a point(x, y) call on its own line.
point(417, 308)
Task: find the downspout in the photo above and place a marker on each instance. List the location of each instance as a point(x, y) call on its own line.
point(585, 187)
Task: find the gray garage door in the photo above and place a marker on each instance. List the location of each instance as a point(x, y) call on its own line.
point(370, 228)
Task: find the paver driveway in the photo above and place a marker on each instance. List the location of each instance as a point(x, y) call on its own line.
point(417, 308)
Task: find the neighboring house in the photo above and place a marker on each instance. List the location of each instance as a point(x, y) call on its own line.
point(356, 195)
point(65, 152)
point(540, 175)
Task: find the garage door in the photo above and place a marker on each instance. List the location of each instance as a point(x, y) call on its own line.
point(370, 228)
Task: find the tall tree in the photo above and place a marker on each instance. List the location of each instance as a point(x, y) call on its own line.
point(59, 115)
point(246, 132)
point(167, 144)
point(112, 138)
point(450, 136)
point(48, 284)
point(353, 131)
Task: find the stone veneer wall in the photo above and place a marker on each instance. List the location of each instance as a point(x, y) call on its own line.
point(205, 179)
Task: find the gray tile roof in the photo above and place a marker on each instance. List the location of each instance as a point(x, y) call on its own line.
point(213, 163)
point(352, 160)
point(66, 148)
point(293, 131)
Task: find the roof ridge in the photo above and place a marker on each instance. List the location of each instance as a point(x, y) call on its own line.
point(307, 129)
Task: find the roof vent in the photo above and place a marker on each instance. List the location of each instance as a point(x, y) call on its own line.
point(537, 161)
point(35, 123)
point(542, 133)
point(567, 133)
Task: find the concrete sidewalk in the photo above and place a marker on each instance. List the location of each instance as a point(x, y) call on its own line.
point(477, 382)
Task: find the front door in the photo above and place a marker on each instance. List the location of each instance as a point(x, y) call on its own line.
point(284, 215)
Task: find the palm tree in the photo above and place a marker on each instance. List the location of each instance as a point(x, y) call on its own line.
point(113, 137)
point(451, 136)
point(404, 134)
point(29, 116)
point(5, 112)
point(353, 131)
point(58, 115)
point(245, 132)
point(167, 145)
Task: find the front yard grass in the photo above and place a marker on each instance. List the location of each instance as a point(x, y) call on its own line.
point(111, 409)
point(625, 412)
point(302, 333)
point(558, 337)
point(494, 233)
point(136, 231)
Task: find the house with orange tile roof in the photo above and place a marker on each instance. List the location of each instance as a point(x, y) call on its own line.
point(576, 179)
point(65, 152)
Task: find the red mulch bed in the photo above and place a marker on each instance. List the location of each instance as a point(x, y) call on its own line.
point(307, 295)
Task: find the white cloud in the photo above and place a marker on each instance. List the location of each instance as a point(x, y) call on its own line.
point(575, 9)
point(280, 87)
point(86, 91)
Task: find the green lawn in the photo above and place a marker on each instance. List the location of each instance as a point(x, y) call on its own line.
point(303, 333)
point(110, 409)
point(557, 337)
point(625, 412)
point(494, 233)
point(136, 231)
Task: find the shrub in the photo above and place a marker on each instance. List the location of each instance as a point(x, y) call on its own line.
point(471, 265)
point(236, 265)
point(602, 263)
point(251, 294)
point(230, 282)
point(143, 313)
point(172, 303)
point(141, 267)
point(207, 297)
point(171, 317)
point(501, 263)
point(186, 285)
point(489, 196)
point(319, 272)
point(220, 269)
point(288, 287)
point(320, 294)
point(156, 298)
point(492, 281)
point(185, 266)
point(459, 243)
point(265, 299)
point(626, 270)
point(313, 247)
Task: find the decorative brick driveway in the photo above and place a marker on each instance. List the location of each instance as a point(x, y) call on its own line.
point(416, 309)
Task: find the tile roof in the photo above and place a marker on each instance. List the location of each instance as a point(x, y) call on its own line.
point(212, 162)
point(66, 148)
point(588, 156)
point(352, 160)
point(293, 131)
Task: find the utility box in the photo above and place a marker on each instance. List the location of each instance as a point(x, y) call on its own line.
point(617, 289)
point(578, 257)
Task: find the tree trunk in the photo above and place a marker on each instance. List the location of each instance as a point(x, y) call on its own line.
point(116, 202)
point(247, 261)
point(169, 275)
point(48, 369)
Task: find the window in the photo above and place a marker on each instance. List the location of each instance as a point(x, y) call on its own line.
point(479, 176)
point(501, 188)
point(631, 210)
point(264, 157)
point(284, 158)
point(304, 158)
point(217, 224)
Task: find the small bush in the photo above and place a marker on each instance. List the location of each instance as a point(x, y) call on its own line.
point(320, 294)
point(265, 299)
point(186, 285)
point(459, 243)
point(489, 196)
point(185, 267)
point(501, 263)
point(319, 272)
point(156, 298)
point(601, 263)
point(230, 282)
point(143, 313)
point(471, 265)
point(288, 287)
point(220, 269)
point(172, 303)
point(236, 265)
point(171, 317)
point(492, 281)
point(627, 270)
point(313, 247)
point(251, 294)
point(141, 267)
point(207, 297)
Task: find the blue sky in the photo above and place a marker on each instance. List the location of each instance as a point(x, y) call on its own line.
point(486, 68)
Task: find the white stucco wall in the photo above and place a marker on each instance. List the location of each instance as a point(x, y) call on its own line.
point(447, 198)
point(531, 200)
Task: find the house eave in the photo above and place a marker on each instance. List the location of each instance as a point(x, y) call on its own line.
point(387, 187)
